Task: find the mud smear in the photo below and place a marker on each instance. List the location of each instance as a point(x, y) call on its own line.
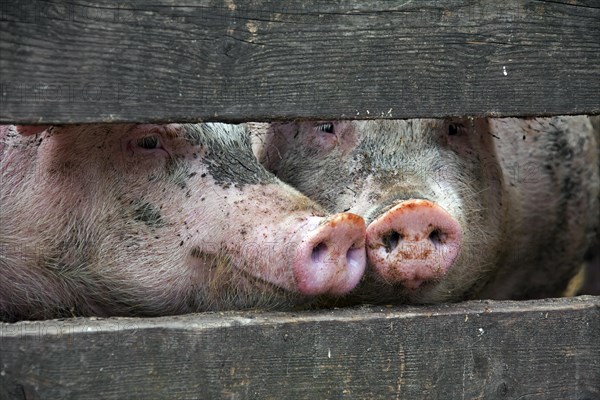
point(148, 214)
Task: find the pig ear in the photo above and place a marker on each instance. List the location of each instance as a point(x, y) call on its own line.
point(276, 143)
point(27, 130)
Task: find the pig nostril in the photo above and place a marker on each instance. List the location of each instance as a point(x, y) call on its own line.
point(436, 237)
point(353, 256)
point(319, 252)
point(390, 241)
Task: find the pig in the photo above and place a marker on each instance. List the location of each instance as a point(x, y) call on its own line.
point(456, 208)
point(148, 220)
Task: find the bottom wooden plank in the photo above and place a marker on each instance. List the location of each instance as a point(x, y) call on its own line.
point(545, 349)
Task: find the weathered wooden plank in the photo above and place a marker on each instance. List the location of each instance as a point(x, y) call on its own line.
point(157, 60)
point(545, 349)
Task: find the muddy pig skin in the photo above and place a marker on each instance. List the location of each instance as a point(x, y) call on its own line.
point(500, 208)
point(146, 220)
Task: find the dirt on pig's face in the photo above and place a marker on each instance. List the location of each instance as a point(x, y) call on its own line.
point(145, 220)
point(369, 167)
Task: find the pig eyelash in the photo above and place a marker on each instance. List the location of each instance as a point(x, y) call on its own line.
point(326, 127)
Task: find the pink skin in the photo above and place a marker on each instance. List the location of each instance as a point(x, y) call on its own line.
point(332, 257)
point(313, 256)
point(28, 130)
point(156, 227)
point(414, 242)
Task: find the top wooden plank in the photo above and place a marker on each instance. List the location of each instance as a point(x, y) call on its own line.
point(160, 60)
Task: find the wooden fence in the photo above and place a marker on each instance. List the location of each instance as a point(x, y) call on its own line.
point(167, 60)
point(545, 349)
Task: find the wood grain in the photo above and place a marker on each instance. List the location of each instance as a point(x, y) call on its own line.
point(544, 349)
point(167, 60)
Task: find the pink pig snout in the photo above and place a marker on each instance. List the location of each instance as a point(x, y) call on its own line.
point(331, 258)
point(414, 242)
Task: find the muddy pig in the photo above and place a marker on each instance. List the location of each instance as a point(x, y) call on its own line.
point(146, 220)
point(500, 208)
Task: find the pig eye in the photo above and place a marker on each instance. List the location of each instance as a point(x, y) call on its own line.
point(454, 129)
point(148, 142)
point(326, 127)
